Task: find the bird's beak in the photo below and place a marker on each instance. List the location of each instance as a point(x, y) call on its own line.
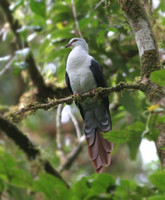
point(68, 45)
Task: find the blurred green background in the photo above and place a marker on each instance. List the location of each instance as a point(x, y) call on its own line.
point(47, 26)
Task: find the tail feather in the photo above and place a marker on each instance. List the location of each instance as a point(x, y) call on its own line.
point(96, 120)
point(99, 151)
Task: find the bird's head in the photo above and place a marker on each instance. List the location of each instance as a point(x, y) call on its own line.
point(76, 42)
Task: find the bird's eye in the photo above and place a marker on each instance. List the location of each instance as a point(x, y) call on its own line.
point(75, 40)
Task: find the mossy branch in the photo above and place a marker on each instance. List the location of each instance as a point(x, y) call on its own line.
point(23, 142)
point(149, 57)
point(145, 40)
point(19, 114)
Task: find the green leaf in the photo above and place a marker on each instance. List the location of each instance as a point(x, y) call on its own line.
point(154, 122)
point(100, 37)
point(92, 187)
point(38, 7)
point(100, 182)
point(9, 172)
point(131, 132)
point(81, 188)
point(157, 197)
point(128, 100)
point(2, 187)
point(126, 190)
point(162, 5)
point(51, 187)
point(158, 180)
point(158, 77)
point(18, 67)
point(20, 178)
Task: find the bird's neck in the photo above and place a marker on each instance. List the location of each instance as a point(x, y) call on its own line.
point(77, 56)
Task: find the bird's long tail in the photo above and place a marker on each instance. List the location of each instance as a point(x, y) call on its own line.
point(99, 150)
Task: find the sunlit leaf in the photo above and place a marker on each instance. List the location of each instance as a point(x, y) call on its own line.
point(131, 132)
point(38, 7)
point(158, 180)
point(158, 77)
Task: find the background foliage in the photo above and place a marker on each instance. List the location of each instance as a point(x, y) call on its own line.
point(47, 26)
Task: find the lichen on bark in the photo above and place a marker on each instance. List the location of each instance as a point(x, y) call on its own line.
point(149, 62)
point(133, 9)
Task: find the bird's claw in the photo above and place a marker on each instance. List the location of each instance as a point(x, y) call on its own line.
point(76, 97)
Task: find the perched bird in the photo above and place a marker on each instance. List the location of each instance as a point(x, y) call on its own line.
point(83, 74)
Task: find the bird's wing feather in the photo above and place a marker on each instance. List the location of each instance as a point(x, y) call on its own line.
point(98, 73)
point(99, 77)
point(68, 82)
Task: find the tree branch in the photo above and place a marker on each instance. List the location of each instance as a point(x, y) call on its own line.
point(44, 90)
point(72, 156)
point(58, 127)
point(145, 40)
point(149, 58)
point(75, 18)
point(76, 125)
point(19, 114)
point(27, 146)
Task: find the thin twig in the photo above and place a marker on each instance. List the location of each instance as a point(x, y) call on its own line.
point(58, 126)
point(97, 5)
point(73, 155)
point(7, 66)
point(75, 122)
point(75, 18)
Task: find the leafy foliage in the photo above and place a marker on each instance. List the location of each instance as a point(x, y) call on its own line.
point(158, 77)
point(47, 26)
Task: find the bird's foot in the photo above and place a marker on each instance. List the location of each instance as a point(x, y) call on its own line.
point(93, 91)
point(76, 97)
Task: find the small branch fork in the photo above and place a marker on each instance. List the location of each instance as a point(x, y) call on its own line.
point(19, 114)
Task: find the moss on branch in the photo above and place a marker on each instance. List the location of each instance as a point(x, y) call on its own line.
point(149, 62)
point(31, 108)
point(132, 8)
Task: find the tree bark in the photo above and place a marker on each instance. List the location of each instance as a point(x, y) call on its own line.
point(149, 59)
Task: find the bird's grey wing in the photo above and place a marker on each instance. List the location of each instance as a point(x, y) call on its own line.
point(99, 78)
point(98, 73)
point(68, 82)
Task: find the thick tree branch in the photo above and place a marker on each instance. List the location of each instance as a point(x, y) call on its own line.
point(18, 115)
point(27, 146)
point(145, 40)
point(149, 58)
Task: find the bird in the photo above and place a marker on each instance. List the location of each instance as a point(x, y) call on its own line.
point(84, 74)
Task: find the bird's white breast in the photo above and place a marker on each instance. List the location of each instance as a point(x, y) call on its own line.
point(79, 72)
